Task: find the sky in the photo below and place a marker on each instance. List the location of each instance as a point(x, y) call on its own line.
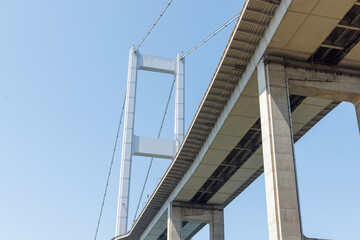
point(63, 69)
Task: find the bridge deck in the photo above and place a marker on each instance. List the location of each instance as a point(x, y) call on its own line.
point(221, 153)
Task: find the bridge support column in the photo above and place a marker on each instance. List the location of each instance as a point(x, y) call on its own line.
point(179, 213)
point(174, 223)
point(283, 212)
point(217, 226)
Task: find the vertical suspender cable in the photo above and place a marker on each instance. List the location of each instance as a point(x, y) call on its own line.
point(163, 119)
point(111, 164)
point(187, 53)
point(151, 161)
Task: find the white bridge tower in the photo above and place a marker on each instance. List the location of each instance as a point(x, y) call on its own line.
point(143, 146)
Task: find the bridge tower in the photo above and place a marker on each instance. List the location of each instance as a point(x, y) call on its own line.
point(144, 146)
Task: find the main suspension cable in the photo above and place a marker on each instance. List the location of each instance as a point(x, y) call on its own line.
point(151, 161)
point(211, 35)
point(111, 164)
point(153, 25)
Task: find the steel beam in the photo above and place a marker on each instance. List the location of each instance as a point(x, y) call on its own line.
point(153, 147)
point(156, 64)
point(254, 44)
point(254, 23)
point(271, 2)
point(348, 27)
point(259, 12)
point(259, 35)
point(331, 46)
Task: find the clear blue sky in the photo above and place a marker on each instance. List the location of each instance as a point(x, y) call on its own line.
point(63, 68)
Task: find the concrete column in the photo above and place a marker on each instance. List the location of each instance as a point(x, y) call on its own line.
point(357, 108)
point(179, 102)
point(174, 223)
point(217, 225)
point(128, 134)
point(277, 145)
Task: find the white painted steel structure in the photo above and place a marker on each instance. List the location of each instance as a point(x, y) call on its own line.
point(266, 93)
point(143, 146)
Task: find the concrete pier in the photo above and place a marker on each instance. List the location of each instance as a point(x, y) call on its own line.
point(181, 212)
point(174, 223)
point(278, 156)
point(217, 226)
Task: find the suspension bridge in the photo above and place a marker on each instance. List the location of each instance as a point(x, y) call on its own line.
point(287, 64)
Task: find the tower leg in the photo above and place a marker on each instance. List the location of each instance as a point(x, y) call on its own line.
point(174, 223)
point(125, 171)
point(277, 145)
point(179, 102)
